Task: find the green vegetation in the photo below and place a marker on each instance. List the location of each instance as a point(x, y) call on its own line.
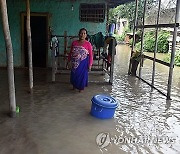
point(121, 38)
point(127, 11)
point(136, 56)
point(149, 42)
point(114, 15)
point(176, 60)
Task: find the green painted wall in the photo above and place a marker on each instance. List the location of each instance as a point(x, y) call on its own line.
point(61, 19)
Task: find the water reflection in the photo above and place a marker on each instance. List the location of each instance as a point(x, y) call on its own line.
point(143, 112)
point(55, 119)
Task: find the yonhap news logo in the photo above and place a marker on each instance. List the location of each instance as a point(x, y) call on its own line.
point(103, 139)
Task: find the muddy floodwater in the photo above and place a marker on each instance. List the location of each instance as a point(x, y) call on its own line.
point(56, 119)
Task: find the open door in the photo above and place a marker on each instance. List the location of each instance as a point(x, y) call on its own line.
point(39, 35)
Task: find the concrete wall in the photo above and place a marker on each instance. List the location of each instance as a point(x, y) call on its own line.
point(121, 25)
point(61, 18)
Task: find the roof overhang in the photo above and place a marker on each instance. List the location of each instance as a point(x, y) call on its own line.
point(114, 3)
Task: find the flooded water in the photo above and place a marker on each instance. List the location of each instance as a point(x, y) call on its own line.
point(144, 115)
point(161, 76)
point(56, 120)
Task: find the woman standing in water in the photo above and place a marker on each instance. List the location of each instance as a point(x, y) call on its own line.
point(81, 58)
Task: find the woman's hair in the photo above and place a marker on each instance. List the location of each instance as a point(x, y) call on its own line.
point(82, 30)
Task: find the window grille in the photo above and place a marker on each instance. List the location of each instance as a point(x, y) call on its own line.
point(92, 12)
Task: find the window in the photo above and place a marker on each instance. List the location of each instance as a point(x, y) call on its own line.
point(92, 12)
point(124, 23)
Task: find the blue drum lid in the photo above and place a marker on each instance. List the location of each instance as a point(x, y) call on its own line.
point(105, 101)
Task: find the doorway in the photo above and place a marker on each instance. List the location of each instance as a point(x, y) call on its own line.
point(39, 36)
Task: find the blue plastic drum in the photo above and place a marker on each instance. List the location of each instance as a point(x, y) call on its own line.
point(111, 29)
point(103, 106)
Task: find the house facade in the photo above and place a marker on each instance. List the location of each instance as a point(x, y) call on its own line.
point(49, 17)
point(121, 24)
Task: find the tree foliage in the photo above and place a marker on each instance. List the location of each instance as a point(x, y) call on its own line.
point(176, 60)
point(128, 11)
point(113, 15)
point(149, 42)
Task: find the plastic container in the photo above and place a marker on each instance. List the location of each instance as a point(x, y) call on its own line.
point(17, 109)
point(111, 29)
point(103, 106)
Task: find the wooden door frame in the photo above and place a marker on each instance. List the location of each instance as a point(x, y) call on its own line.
point(23, 14)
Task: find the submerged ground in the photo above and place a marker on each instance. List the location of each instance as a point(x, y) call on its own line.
point(56, 120)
